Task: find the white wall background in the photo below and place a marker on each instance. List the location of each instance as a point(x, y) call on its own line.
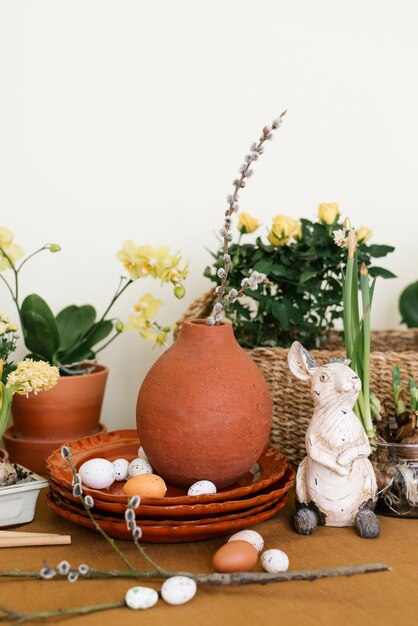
point(128, 119)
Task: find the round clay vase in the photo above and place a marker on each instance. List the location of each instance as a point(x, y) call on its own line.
point(69, 410)
point(204, 410)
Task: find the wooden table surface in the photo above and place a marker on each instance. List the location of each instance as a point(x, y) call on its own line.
point(387, 598)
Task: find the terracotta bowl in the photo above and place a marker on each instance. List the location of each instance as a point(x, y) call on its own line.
point(33, 453)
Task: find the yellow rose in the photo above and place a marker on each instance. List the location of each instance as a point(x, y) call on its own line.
point(247, 223)
point(282, 229)
point(328, 212)
point(363, 234)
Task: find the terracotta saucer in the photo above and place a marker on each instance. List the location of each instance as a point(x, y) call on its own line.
point(124, 444)
point(79, 510)
point(169, 534)
point(193, 511)
point(32, 453)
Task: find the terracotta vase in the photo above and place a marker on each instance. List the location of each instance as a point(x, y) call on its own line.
point(68, 411)
point(204, 410)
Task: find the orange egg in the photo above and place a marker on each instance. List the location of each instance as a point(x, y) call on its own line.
point(236, 556)
point(146, 486)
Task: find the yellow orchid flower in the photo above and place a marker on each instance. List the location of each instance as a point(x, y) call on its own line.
point(128, 256)
point(153, 261)
point(172, 273)
point(159, 337)
point(148, 306)
point(12, 250)
point(6, 237)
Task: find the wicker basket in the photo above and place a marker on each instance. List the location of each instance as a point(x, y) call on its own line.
point(292, 401)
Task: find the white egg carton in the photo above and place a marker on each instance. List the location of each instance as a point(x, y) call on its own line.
point(17, 502)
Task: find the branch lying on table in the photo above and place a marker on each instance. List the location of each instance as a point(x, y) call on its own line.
point(242, 578)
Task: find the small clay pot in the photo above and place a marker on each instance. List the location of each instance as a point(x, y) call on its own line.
point(204, 410)
point(32, 453)
point(70, 410)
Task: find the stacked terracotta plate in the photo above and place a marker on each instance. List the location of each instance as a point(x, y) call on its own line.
point(177, 517)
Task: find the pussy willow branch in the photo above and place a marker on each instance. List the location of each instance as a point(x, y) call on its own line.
point(239, 579)
point(239, 183)
point(242, 578)
point(21, 618)
point(99, 529)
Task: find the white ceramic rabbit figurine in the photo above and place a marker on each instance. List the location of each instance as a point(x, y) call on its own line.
point(335, 483)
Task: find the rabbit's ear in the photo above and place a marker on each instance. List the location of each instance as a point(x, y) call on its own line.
point(301, 362)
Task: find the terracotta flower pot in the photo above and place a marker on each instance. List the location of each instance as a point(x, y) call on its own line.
point(68, 411)
point(204, 410)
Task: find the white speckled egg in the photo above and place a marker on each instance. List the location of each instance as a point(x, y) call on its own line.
point(97, 473)
point(121, 469)
point(142, 454)
point(254, 538)
point(201, 488)
point(275, 561)
point(141, 598)
point(178, 590)
point(138, 467)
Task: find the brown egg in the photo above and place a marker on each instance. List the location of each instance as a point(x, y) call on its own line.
point(236, 556)
point(145, 486)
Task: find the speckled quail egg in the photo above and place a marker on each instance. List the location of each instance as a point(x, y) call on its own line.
point(97, 473)
point(274, 561)
point(178, 590)
point(139, 466)
point(254, 538)
point(202, 487)
point(141, 598)
point(121, 469)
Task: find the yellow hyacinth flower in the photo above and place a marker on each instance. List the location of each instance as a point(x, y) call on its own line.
point(10, 252)
point(363, 234)
point(328, 212)
point(247, 223)
point(31, 376)
point(283, 229)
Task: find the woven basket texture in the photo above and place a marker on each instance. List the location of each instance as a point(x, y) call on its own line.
point(293, 406)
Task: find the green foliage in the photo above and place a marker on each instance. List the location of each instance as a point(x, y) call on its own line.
point(70, 337)
point(304, 299)
point(408, 305)
point(8, 342)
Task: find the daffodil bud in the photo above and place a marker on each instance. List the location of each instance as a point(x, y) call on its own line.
point(119, 326)
point(179, 291)
point(54, 247)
